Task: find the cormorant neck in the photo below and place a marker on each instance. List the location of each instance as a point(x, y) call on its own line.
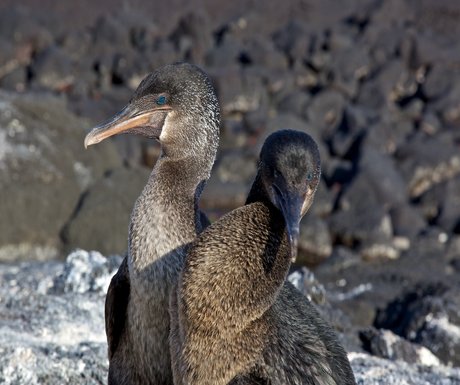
point(165, 216)
point(258, 193)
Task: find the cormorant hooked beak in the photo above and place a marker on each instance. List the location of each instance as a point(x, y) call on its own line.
point(291, 207)
point(130, 120)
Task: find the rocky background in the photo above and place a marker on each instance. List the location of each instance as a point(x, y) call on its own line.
point(377, 83)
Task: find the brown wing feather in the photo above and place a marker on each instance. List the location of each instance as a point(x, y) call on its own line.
point(116, 304)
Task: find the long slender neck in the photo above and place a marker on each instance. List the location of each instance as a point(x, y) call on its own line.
point(276, 225)
point(165, 214)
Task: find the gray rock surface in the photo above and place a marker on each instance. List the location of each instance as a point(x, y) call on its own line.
point(43, 170)
point(371, 370)
point(52, 327)
point(52, 320)
point(102, 220)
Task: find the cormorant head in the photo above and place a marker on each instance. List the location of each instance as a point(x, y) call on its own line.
point(290, 167)
point(169, 105)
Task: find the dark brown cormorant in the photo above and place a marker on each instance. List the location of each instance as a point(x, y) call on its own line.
point(176, 105)
point(234, 317)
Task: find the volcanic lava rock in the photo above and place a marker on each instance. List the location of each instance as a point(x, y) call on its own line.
point(425, 162)
point(101, 222)
point(315, 243)
point(53, 69)
point(326, 110)
point(406, 220)
point(43, 170)
point(386, 344)
point(371, 370)
point(52, 321)
point(363, 221)
point(430, 316)
point(192, 36)
point(438, 81)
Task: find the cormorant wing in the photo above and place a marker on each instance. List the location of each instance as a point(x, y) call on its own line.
point(116, 304)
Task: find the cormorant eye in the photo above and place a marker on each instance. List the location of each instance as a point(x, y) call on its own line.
point(309, 176)
point(161, 100)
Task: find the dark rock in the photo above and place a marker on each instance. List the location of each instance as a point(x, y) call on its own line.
point(235, 133)
point(326, 110)
point(324, 201)
point(363, 221)
point(339, 171)
point(76, 44)
point(53, 69)
point(13, 63)
point(382, 40)
point(290, 121)
point(406, 220)
point(371, 96)
point(295, 41)
point(14, 80)
point(295, 102)
point(341, 258)
point(101, 222)
point(429, 316)
point(430, 124)
point(346, 139)
point(391, 84)
point(260, 52)
point(192, 36)
point(225, 54)
point(254, 123)
point(385, 181)
point(438, 81)
point(109, 31)
point(426, 161)
point(21, 26)
point(449, 217)
point(220, 197)
point(408, 50)
point(386, 344)
point(236, 167)
point(371, 370)
point(239, 90)
point(42, 156)
point(350, 66)
point(389, 133)
point(315, 244)
point(413, 110)
point(453, 249)
point(449, 107)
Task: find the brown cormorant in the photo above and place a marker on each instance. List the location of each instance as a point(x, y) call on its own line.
point(176, 105)
point(234, 317)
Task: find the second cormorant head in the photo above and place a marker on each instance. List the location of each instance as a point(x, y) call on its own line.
point(176, 105)
point(290, 169)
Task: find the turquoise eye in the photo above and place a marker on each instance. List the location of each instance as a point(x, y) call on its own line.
point(309, 176)
point(161, 100)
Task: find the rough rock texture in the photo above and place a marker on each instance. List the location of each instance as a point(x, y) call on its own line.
point(376, 83)
point(371, 370)
point(52, 320)
point(106, 205)
point(52, 326)
point(43, 172)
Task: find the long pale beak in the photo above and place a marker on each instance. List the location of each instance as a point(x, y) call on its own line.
point(130, 119)
point(291, 206)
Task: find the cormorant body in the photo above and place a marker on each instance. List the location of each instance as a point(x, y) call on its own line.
point(234, 317)
point(177, 106)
